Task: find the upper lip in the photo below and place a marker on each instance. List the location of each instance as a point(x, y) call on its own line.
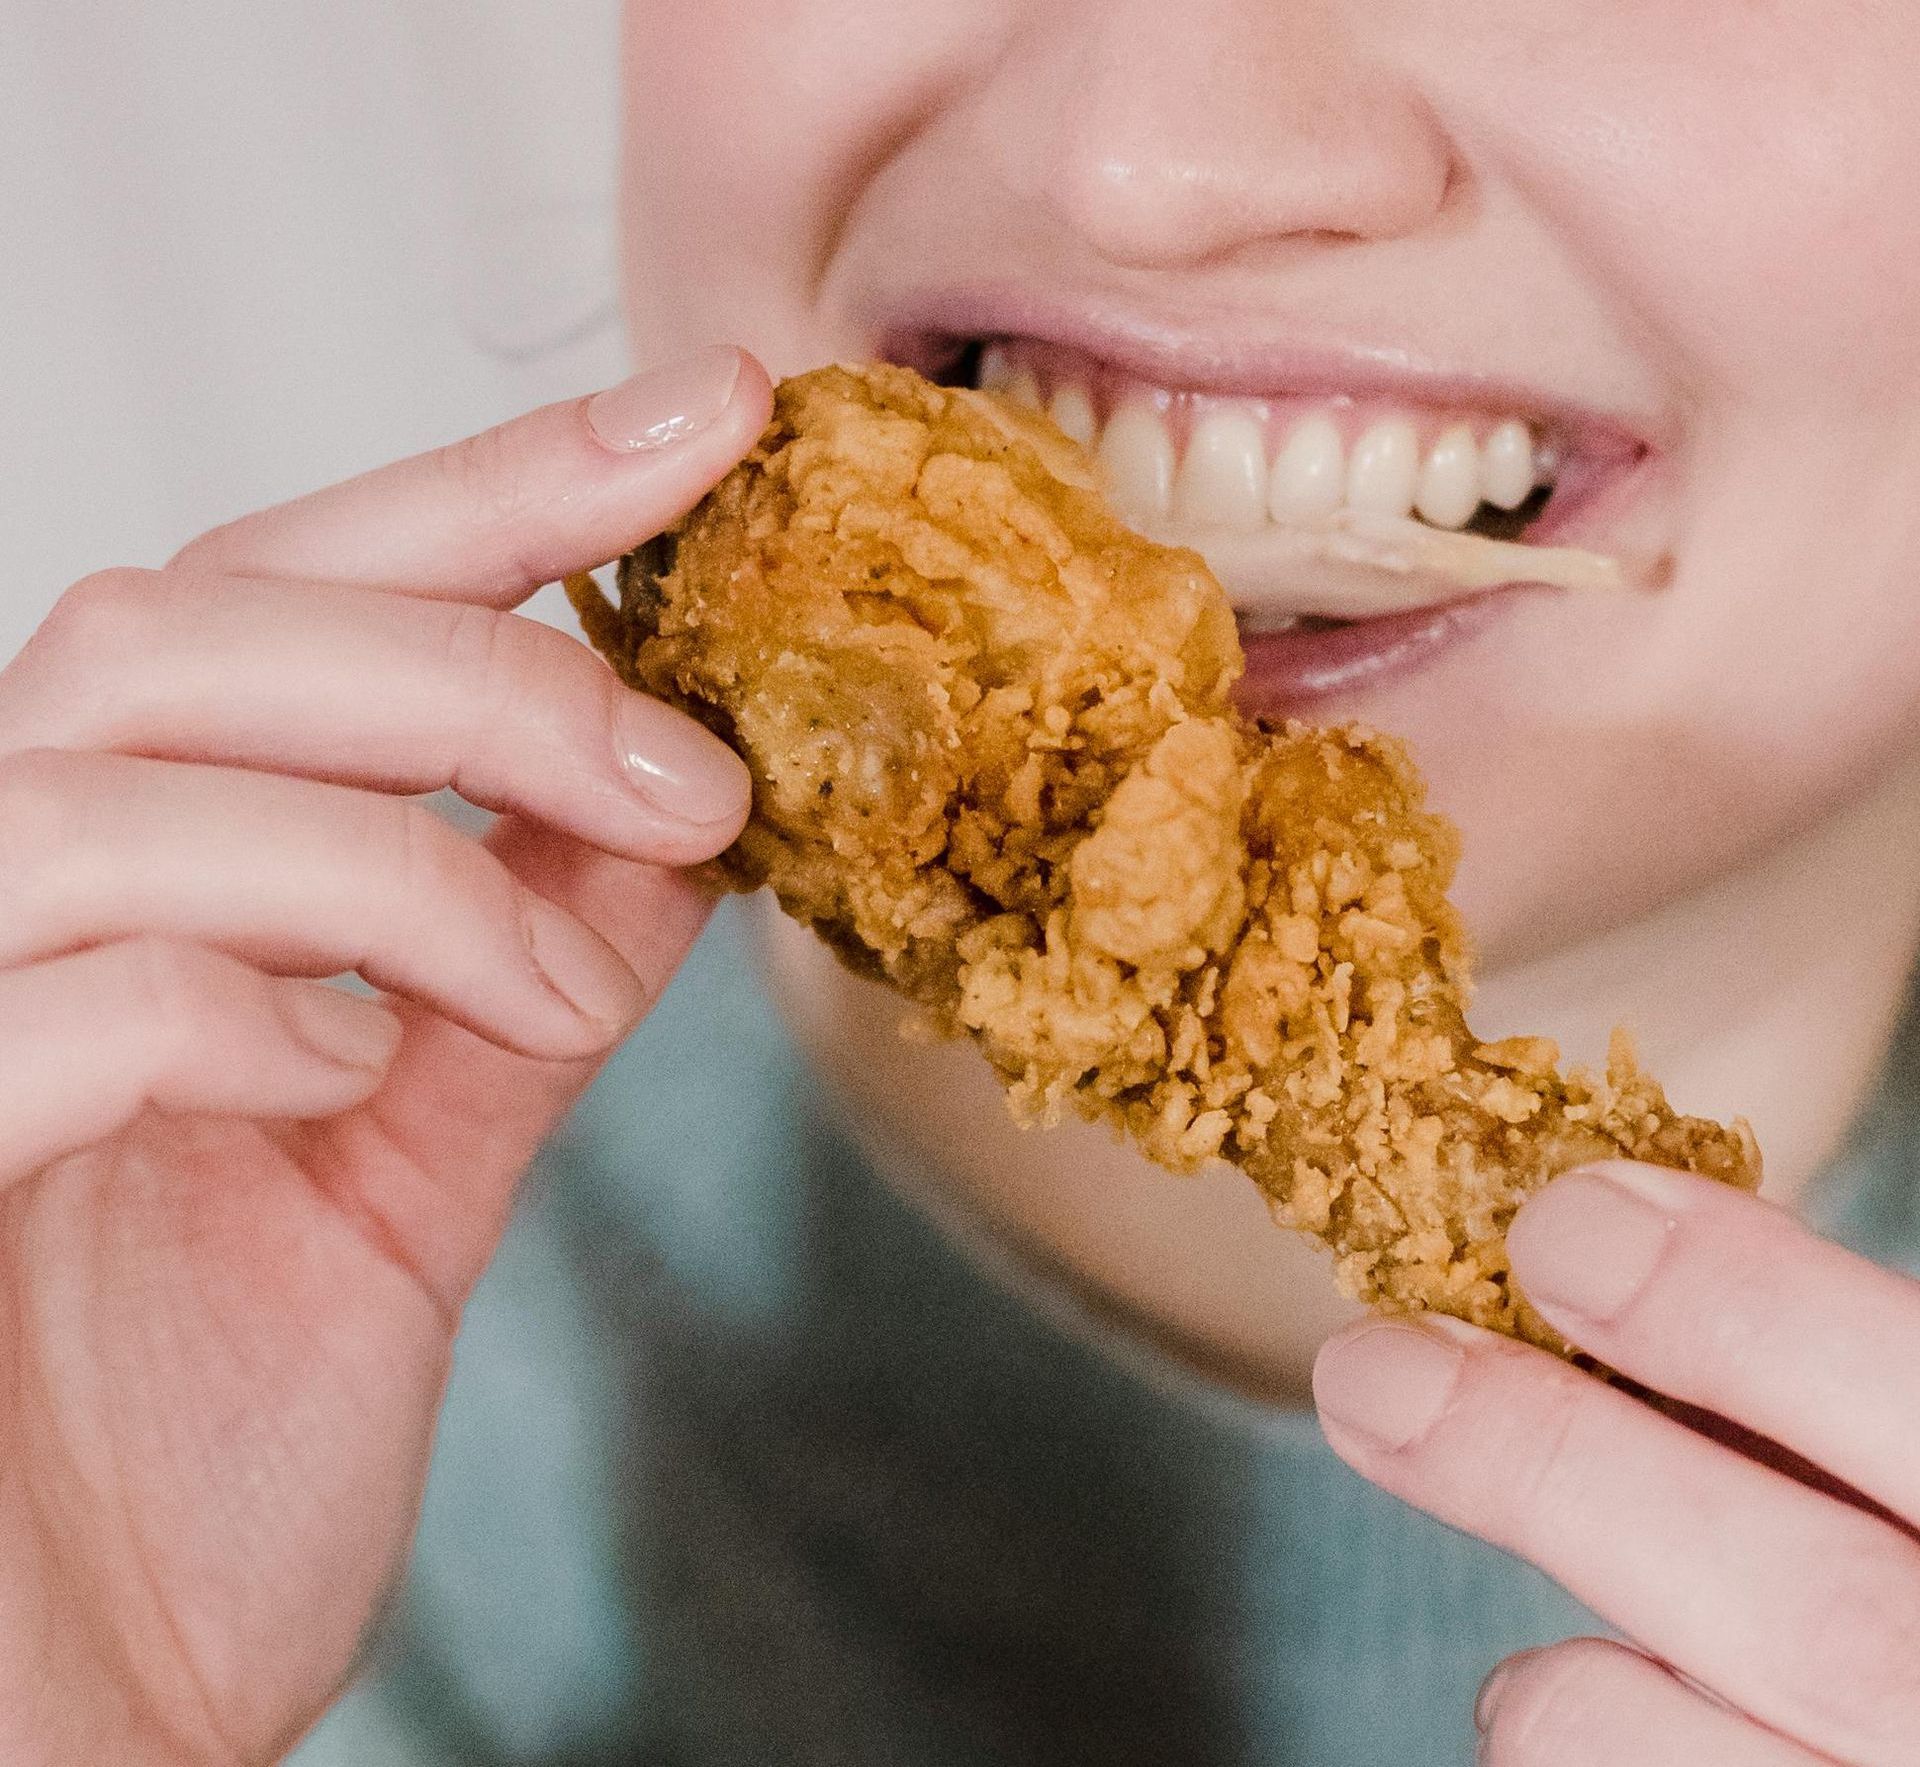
point(1209, 356)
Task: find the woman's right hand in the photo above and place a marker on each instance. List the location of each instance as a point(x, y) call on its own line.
point(240, 1211)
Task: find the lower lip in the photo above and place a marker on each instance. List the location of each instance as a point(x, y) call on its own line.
point(1299, 672)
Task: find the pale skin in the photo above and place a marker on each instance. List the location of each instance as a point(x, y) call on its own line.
point(242, 1211)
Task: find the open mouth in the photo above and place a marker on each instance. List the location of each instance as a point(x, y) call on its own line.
point(1320, 510)
point(1207, 462)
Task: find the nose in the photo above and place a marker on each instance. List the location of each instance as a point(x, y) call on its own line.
point(1174, 132)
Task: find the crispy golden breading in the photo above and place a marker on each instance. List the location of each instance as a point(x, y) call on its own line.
point(997, 764)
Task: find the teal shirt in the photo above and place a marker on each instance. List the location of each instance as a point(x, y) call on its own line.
point(747, 1461)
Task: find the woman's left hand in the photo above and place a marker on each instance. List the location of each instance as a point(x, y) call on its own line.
point(1772, 1599)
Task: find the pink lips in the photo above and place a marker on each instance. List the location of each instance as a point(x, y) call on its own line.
point(1303, 670)
point(1244, 358)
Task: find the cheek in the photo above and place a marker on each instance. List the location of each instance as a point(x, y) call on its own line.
point(751, 128)
point(1604, 759)
point(1743, 179)
point(1742, 185)
point(702, 186)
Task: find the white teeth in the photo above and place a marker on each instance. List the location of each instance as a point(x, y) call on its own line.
point(1449, 490)
point(1509, 470)
point(1384, 472)
point(995, 373)
point(1024, 389)
point(1136, 463)
point(1000, 373)
point(1222, 479)
point(1223, 475)
point(1072, 410)
point(1310, 472)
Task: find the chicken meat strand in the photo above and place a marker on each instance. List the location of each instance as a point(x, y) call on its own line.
point(997, 763)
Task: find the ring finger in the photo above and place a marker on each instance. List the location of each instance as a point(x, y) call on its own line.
point(302, 879)
point(86, 1042)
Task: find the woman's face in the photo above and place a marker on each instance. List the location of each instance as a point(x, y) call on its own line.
point(1295, 245)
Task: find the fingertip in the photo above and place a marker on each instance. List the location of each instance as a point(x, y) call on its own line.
point(649, 913)
point(583, 971)
point(493, 517)
point(1387, 1381)
point(343, 1029)
point(754, 391)
point(668, 404)
point(695, 783)
point(661, 408)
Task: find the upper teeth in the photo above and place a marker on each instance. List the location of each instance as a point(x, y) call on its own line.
point(1245, 464)
point(1073, 411)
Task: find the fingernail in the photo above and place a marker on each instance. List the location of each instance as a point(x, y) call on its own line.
point(668, 404)
point(1590, 1242)
point(682, 769)
point(1388, 1382)
point(580, 966)
point(349, 1032)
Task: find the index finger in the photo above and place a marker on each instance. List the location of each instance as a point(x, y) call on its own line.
point(492, 518)
point(1732, 1305)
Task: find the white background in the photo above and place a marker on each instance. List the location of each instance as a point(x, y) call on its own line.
point(247, 249)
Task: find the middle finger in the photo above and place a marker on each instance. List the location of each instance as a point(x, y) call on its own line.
point(383, 691)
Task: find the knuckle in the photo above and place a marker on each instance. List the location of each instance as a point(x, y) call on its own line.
point(36, 807)
point(1854, 1654)
point(426, 862)
point(484, 649)
point(213, 550)
point(1552, 1482)
point(520, 672)
point(447, 889)
point(414, 848)
point(181, 995)
point(96, 612)
point(168, 983)
point(493, 480)
point(71, 680)
point(487, 473)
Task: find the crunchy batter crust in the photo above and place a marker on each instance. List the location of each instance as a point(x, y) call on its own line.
point(997, 764)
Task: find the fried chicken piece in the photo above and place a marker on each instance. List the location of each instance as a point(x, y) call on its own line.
point(997, 764)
